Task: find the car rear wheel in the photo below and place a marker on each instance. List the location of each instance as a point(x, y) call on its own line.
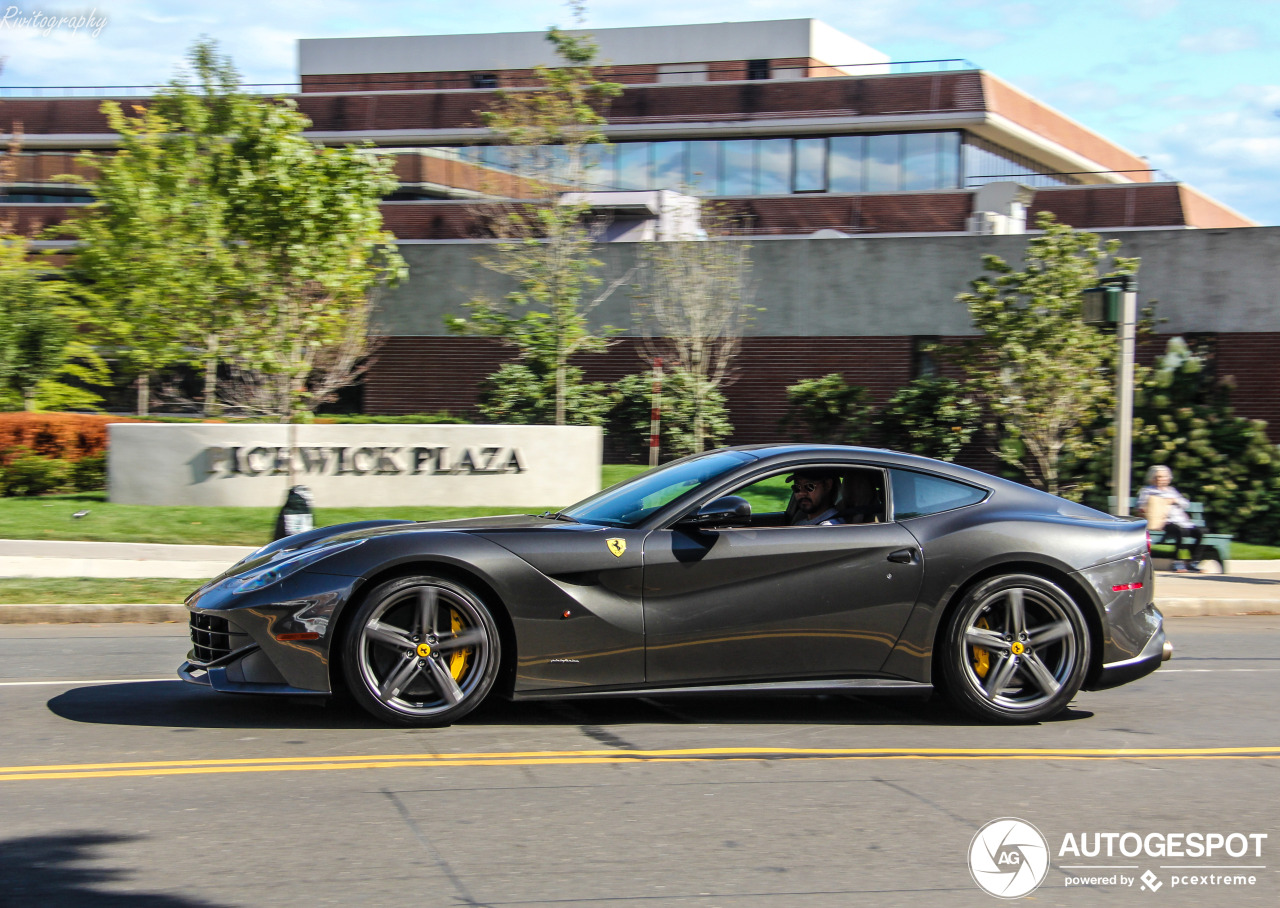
point(421, 651)
point(1016, 650)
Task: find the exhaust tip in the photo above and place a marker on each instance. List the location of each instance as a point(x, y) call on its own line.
point(1166, 652)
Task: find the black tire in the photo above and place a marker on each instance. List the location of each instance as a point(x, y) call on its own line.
point(421, 651)
point(1015, 650)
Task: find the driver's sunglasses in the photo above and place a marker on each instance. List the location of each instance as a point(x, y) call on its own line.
point(805, 486)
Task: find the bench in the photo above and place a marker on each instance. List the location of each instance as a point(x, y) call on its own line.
point(1219, 542)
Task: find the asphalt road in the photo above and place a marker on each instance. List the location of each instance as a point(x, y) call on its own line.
point(111, 792)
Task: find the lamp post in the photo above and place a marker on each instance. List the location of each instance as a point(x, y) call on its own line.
point(1114, 303)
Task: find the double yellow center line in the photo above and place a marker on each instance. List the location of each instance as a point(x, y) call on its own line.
point(578, 757)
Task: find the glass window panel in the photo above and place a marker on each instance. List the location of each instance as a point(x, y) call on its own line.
point(739, 177)
point(704, 168)
point(917, 494)
point(920, 160)
point(773, 166)
point(846, 168)
point(884, 163)
point(668, 165)
point(811, 165)
point(599, 162)
point(634, 169)
point(949, 160)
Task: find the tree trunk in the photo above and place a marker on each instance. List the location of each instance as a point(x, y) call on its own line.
point(144, 393)
point(29, 398)
point(561, 383)
point(211, 405)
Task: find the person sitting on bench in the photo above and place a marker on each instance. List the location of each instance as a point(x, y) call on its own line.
point(1166, 509)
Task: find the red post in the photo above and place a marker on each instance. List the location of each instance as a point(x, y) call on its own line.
point(655, 413)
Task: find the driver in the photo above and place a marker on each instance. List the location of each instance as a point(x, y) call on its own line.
point(813, 493)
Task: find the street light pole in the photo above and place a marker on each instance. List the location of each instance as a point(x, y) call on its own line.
point(1121, 464)
point(1114, 304)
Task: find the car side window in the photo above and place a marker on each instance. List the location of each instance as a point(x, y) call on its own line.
point(918, 494)
point(857, 496)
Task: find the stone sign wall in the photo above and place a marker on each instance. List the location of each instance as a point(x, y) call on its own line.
point(353, 465)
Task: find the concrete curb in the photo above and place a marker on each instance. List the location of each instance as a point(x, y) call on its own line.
point(81, 613)
point(1201, 608)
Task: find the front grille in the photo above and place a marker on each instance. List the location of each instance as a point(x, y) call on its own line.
point(210, 637)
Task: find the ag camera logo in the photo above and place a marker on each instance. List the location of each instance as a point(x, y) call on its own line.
point(1008, 858)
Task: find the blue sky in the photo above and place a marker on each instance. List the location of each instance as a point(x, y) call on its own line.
point(1192, 85)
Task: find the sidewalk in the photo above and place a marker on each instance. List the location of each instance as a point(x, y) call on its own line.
point(36, 558)
point(1252, 587)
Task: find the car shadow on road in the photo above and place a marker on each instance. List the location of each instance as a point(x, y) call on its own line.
point(178, 705)
point(66, 870)
point(175, 704)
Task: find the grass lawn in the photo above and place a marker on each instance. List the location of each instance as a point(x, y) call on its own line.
point(49, 517)
point(95, 590)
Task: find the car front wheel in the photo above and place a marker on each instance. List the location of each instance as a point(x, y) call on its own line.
point(421, 651)
point(1016, 650)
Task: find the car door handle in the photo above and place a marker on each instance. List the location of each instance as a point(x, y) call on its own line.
point(903, 556)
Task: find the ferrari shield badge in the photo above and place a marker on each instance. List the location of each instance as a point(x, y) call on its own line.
point(617, 546)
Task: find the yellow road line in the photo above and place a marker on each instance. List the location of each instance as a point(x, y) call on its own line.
point(575, 757)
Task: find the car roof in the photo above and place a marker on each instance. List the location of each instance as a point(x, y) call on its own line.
point(783, 452)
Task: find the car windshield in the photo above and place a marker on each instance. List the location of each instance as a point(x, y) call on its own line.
point(630, 502)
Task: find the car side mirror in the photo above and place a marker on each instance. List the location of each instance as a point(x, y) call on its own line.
point(729, 509)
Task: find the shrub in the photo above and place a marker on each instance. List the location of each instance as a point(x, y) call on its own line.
point(66, 436)
point(407, 419)
point(828, 409)
point(519, 394)
point(89, 473)
point(931, 416)
point(628, 424)
point(29, 474)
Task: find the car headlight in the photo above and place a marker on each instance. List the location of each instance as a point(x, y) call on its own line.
point(275, 572)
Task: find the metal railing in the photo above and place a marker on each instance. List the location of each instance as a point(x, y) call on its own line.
point(420, 81)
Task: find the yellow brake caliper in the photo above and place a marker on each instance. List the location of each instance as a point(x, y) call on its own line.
point(981, 658)
point(458, 661)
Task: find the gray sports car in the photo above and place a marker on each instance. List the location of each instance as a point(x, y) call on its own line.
point(714, 573)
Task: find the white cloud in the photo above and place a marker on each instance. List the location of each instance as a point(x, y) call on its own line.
point(1224, 40)
point(1230, 154)
point(1146, 10)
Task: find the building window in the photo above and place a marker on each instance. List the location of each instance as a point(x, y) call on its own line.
point(484, 80)
point(757, 69)
point(926, 161)
point(773, 166)
point(682, 73)
point(987, 163)
point(884, 163)
point(846, 164)
point(924, 362)
point(810, 165)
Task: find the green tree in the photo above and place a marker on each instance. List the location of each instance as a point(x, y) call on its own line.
point(692, 307)
point(151, 244)
point(306, 228)
point(932, 416)
point(222, 235)
point(548, 253)
point(40, 315)
point(1183, 419)
point(828, 410)
point(1042, 374)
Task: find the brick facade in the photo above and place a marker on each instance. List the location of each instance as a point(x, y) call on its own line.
point(420, 374)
